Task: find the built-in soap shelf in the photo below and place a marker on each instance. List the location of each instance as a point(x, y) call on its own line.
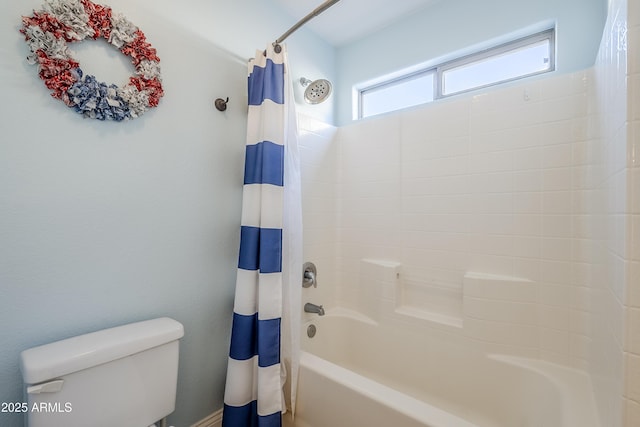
point(429, 300)
point(384, 291)
point(428, 315)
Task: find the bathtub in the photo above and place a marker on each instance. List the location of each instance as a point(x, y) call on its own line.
point(357, 373)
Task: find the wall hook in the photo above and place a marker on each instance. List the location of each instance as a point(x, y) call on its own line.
point(221, 104)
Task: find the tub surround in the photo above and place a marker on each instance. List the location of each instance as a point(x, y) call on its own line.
point(489, 183)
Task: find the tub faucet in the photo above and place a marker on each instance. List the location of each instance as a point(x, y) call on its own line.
point(312, 308)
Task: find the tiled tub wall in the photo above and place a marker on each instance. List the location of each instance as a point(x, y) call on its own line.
point(614, 206)
point(318, 164)
point(631, 402)
point(486, 184)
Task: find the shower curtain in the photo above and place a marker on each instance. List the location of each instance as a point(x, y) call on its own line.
point(264, 351)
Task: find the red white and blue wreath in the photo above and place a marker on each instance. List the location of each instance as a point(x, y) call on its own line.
point(48, 32)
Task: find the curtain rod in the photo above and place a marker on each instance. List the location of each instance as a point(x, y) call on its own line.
point(317, 11)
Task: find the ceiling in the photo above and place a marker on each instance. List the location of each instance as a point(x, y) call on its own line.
point(349, 20)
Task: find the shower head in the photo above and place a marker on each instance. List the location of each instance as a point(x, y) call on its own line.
point(316, 91)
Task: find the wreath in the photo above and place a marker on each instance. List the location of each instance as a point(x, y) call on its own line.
point(48, 32)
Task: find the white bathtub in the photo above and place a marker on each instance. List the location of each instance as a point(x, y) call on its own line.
point(355, 373)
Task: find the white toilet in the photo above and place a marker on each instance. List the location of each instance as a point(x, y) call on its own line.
point(124, 376)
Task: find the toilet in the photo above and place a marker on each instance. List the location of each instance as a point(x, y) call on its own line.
point(124, 376)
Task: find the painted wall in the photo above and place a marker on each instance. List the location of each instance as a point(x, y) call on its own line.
point(242, 26)
point(451, 28)
point(103, 224)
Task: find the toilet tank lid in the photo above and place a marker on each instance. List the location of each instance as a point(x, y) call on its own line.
point(74, 354)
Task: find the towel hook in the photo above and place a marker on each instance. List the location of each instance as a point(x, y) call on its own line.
point(221, 104)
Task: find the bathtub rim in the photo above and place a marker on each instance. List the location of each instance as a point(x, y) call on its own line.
point(574, 386)
point(411, 407)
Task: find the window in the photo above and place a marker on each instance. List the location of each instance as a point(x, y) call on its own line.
point(404, 92)
point(514, 60)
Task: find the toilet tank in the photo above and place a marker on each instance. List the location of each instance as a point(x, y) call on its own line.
point(124, 376)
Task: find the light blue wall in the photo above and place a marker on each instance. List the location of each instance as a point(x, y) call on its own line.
point(460, 26)
point(103, 223)
point(242, 26)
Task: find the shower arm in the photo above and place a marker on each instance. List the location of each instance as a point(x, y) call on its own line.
point(317, 11)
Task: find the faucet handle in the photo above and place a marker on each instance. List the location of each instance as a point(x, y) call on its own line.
point(310, 278)
point(309, 275)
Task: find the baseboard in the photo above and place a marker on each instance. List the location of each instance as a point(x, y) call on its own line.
point(213, 420)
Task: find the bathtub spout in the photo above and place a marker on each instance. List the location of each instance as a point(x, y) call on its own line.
point(312, 308)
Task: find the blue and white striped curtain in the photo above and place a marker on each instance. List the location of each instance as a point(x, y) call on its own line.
point(266, 318)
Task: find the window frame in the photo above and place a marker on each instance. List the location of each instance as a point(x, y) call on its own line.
point(439, 69)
